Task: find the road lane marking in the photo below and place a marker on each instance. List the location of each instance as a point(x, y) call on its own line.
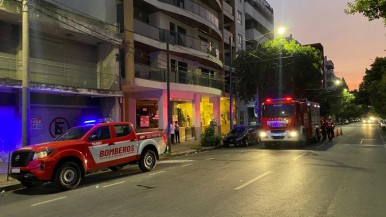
point(212, 158)
point(174, 161)
point(299, 156)
point(48, 201)
point(106, 186)
point(152, 174)
point(186, 165)
point(253, 180)
point(361, 141)
point(227, 154)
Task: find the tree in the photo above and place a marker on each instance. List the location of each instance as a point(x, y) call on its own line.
point(278, 68)
point(372, 9)
point(372, 90)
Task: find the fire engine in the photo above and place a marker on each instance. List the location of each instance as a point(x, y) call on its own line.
point(289, 120)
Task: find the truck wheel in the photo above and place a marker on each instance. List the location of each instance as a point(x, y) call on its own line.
point(148, 161)
point(303, 140)
point(246, 142)
point(68, 176)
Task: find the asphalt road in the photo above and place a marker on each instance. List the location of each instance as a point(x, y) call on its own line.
point(345, 177)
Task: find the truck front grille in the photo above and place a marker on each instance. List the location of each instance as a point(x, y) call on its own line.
point(21, 158)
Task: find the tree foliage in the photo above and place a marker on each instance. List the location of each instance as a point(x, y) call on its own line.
point(278, 68)
point(372, 9)
point(372, 90)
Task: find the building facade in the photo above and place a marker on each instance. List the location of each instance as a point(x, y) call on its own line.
point(102, 58)
point(254, 24)
point(73, 69)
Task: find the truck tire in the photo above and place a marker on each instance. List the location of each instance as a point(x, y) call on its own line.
point(148, 161)
point(246, 142)
point(303, 139)
point(68, 176)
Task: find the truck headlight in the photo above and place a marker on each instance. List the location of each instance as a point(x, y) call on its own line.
point(42, 154)
point(293, 134)
point(263, 134)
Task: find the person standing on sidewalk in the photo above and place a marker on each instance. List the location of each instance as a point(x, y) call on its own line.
point(177, 131)
point(172, 132)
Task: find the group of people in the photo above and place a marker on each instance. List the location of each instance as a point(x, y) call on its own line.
point(175, 132)
point(327, 127)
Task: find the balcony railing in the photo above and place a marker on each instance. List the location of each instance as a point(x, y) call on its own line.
point(175, 38)
point(177, 76)
point(227, 8)
point(59, 74)
point(195, 8)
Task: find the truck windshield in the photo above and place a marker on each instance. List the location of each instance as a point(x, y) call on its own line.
point(73, 133)
point(277, 110)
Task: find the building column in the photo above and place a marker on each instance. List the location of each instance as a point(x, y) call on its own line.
point(162, 111)
point(196, 119)
point(216, 112)
point(132, 106)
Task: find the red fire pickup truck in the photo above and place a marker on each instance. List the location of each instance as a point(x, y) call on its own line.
point(83, 149)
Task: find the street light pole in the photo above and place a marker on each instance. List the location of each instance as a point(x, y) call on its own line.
point(25, 76)
point(169, 113)
point(230, 88)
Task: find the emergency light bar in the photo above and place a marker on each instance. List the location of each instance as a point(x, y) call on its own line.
point(96, 121)
point(268, 100)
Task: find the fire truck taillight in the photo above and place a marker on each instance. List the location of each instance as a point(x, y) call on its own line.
point(288, 98)
point(268, 100)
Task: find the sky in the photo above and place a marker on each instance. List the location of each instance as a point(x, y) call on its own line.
point(351, 42)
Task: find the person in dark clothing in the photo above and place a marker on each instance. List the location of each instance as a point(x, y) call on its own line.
point(177, 132)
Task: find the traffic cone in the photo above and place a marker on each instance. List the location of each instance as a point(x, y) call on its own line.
point(341, 132)
point(337, 132)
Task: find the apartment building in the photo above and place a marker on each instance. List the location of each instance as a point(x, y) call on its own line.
point(73, 67)
point(186, 37)
point(254, 24)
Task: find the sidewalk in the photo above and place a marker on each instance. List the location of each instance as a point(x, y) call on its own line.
point(184, 148)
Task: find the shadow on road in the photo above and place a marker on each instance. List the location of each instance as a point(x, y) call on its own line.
point(90, 179)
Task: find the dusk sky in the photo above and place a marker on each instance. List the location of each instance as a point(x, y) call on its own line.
point(350, 41)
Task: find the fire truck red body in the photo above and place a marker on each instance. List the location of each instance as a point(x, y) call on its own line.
point(289, 120)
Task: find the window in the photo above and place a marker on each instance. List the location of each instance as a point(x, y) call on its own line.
point(122, 130)
point(100, 134)
point(239, 17)
point(240, 41)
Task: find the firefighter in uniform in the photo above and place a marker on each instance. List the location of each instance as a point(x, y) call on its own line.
point(330, 126)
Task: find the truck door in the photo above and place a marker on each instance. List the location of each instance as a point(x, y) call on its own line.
point(100, 140)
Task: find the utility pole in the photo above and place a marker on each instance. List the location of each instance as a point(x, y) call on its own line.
point(168, 93)
point(25, 76)
point(230, 88)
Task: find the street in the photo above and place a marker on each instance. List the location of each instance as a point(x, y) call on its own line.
point(345, 177)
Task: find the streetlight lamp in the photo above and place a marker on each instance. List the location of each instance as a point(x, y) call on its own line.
point(280, 31)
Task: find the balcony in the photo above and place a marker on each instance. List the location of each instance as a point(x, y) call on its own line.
point(49, 15)
point(227, 35)
point(196, 9)
point(228, 10)
point(175, 38)
point(176, 76)
point(58, 76)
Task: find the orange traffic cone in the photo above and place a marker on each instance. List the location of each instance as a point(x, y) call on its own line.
point(337, 132)
point(341, 132)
